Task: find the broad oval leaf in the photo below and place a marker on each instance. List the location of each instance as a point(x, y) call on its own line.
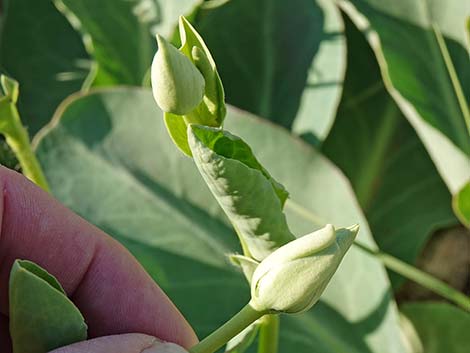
point(383, 157)
point(119, 34)
point(250, 197)
point(153, 200)
point(42, 318)
point(46, 56)
point(282, 64)
point(421, 48)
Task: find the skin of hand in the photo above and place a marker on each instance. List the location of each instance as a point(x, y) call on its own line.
point(124, 309)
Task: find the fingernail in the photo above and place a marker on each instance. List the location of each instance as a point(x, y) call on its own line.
point(164, 347)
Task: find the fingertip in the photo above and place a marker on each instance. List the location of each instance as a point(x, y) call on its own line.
point(127, 343)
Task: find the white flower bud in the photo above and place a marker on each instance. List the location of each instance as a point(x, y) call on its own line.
point(178, 86)
point(293, 277)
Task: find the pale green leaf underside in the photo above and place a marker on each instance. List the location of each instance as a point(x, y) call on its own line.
point(153, 200)
point(243, 189)
point(42, 318)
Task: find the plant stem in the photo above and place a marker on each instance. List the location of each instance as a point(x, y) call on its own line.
point(226, 332)
point(269, 334)
point(420, 277)
point(18, 139)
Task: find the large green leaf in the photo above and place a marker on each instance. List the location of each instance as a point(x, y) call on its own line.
point(119, 34)
point(389, 169)
point(41, 50)
point(42, 318)
point(441, 327)
point(273, 59)
point(126, 176)
point(421, 48)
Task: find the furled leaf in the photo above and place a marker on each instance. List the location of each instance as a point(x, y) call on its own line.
point(121, 34)
point(250, 197)
point(153, 200)
point(441, 327)
point(421, 48)
point(273, 59)
point(42, 318)
point(42, 51)
point(389, 169)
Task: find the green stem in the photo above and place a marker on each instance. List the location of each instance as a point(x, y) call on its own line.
point(226, 332)
point(418, 276)
point(18, 139)
point(269, 334)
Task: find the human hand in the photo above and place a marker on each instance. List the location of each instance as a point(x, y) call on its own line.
point(117, 297)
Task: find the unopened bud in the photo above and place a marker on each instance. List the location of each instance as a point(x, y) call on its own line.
point(178, 86)
point(293, 277)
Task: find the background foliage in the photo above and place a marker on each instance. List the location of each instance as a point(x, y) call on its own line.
point(365, 103)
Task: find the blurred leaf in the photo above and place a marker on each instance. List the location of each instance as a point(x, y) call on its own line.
point(41, 50)
point(461, 204)
point(42, 318)
point(442, 327)
point(119, 34)
point(389, 168)
point(273, 60)
point(421, 48)
point(152, 199)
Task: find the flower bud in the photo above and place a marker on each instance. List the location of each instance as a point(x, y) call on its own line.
point(293, 277)
point(177, 84)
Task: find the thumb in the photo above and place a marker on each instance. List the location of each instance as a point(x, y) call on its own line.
point(127, 343)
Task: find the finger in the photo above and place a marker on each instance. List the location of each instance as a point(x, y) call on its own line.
point(108, 285)
point(130, 343)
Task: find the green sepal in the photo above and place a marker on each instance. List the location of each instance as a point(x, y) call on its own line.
point(212, 110)
point(250, 197)
point(42, 318)
point(177, 129)
point(10, 88)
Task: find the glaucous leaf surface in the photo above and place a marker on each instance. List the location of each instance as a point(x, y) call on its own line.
point(250, 197)
point(441, 327)
point(146, 194)
point(380, 153)
point(121, 34)
point(421, 48)
point(42, 318)
point(41, 50)
point(273, 59)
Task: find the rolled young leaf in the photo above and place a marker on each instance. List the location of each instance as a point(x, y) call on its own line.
point(42, 318)
point(250, 197)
